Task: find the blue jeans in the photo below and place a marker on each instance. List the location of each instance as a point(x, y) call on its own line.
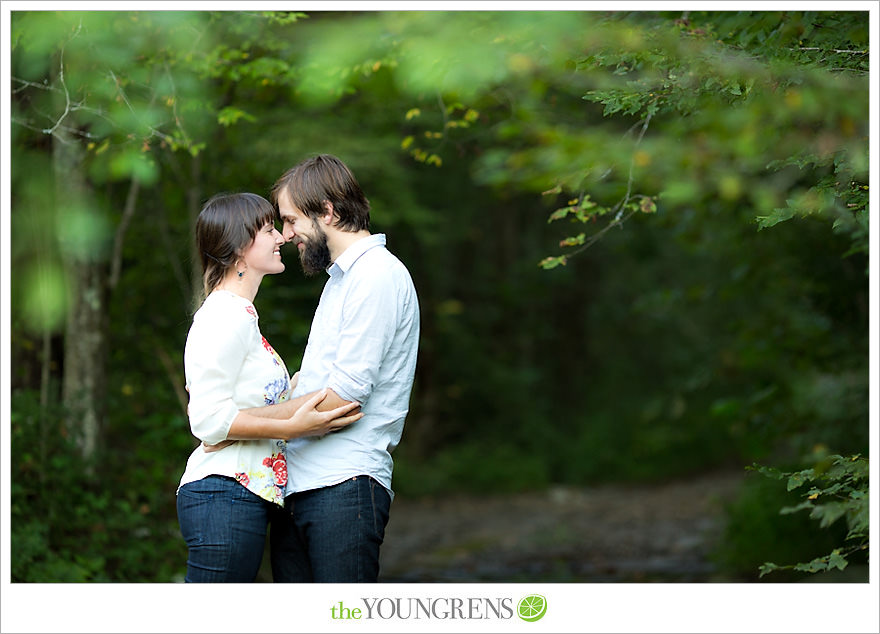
point(332, 534)
point(224, 526)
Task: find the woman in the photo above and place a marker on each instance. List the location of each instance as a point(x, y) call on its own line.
point(229, 489)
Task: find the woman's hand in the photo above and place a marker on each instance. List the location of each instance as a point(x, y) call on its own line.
point(308, 421)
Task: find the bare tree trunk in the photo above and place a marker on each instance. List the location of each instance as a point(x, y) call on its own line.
point(84, 377)
point(45, 377)
point(194, 205)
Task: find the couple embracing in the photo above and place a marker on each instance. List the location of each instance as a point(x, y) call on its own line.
point(306, 459)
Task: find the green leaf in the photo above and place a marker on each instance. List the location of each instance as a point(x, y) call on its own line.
point(559, 214)
point(836, 560)
point(573, 241)
point(778, 215)
point(820, 564)
point(552, 262)
point(231, 115)
point(45, 295)
point(829, 513)
point(770, 472)
point(797, 479)
point(788, 510)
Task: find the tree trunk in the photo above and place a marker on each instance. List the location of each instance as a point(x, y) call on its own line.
point(194, 205)
point(84, 373)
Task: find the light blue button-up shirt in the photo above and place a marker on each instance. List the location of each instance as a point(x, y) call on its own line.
point(362, 345)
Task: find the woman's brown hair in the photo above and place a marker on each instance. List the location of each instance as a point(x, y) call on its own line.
point(226, 226)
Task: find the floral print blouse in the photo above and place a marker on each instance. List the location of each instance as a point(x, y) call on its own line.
point(230, 366)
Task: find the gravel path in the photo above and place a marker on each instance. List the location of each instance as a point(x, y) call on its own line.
point(610, 533)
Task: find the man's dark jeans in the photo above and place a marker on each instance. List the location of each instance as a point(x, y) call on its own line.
point(331, 534)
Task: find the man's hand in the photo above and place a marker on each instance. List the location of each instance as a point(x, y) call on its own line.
point(220, 445)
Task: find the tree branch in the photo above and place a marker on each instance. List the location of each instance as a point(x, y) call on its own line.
point(622, 204)
point(173, 373)
point(173, 258)
point(64, 86)
point(32, 84)
point(619, 219)
point(127, 214)
point(832, 50)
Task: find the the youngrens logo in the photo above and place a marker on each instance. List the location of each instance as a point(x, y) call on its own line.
point(530, 608)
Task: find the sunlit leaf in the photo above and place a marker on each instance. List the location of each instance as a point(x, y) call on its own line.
point(552, 262)
point(44, 304)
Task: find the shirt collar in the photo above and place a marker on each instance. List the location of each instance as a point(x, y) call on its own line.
point(348, 257)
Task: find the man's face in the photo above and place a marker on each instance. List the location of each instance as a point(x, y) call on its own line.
point(306, 234)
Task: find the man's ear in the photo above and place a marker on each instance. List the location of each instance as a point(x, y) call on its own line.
point(329, 214)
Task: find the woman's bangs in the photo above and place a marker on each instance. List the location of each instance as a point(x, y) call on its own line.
point(259, 212)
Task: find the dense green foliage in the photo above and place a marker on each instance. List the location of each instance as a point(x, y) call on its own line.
point(839, 491)
point(69, 526)
point(756, 533)
point(639, 241)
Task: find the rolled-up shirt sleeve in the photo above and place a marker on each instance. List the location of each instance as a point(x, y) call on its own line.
point(214, 354)
point(367, 330)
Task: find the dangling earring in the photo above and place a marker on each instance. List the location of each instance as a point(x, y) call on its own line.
point(240, 275)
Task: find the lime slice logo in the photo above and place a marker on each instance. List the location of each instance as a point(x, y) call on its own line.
point(532, 607)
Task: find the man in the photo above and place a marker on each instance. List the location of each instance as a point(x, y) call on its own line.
point(362, 347)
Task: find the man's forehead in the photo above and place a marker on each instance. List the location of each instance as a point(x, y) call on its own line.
point(285, 206)
point(287, 212)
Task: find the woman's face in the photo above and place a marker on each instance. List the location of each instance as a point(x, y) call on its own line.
point(263, 256)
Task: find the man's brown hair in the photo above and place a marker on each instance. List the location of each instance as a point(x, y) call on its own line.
point(325, 178)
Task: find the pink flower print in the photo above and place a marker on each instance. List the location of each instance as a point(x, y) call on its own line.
point(243, 478)
point(275, 358)
point(268, 346)
point(279, 469)
point(251, 311)
point(278, 463)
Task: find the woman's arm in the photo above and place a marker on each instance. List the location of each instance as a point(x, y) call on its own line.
point(216, 348)
point(288, 409)
point(307, 420)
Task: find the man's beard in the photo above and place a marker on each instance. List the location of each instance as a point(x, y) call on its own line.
point(315, 256)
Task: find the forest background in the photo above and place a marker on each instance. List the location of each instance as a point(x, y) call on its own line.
point(640, 241)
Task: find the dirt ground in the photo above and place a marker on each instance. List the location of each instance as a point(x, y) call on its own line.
point(612, 533)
